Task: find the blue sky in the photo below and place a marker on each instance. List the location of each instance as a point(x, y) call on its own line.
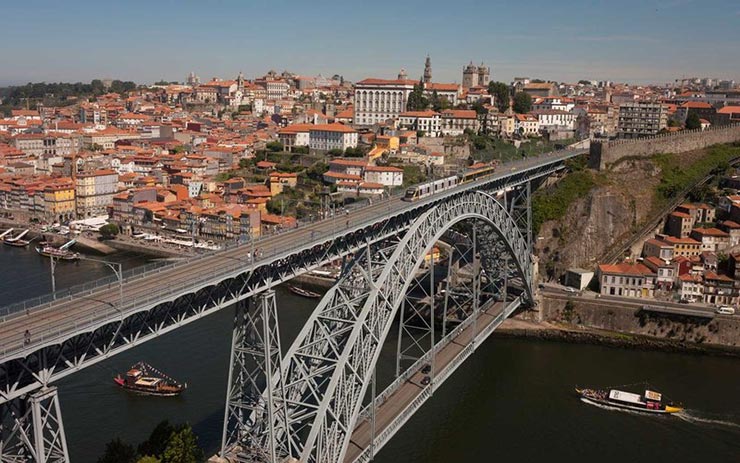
point(627, 40)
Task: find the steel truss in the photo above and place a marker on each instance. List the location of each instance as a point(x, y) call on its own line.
point(255, 360)
point(329, 366)
point(31, 429)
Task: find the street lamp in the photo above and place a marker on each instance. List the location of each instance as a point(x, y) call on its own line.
point(118, 270)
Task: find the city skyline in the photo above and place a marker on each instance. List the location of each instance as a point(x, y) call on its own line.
point(642, 42)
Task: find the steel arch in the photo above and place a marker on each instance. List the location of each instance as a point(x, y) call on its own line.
point(328, 367)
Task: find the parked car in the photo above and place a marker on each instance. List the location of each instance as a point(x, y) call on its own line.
point(725, 310)
point(426, 369)
point(568, 289)
point(426, 380)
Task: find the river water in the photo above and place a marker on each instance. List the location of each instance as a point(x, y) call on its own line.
point(512, 400)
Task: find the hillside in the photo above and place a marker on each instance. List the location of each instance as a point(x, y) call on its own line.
point(587, 212)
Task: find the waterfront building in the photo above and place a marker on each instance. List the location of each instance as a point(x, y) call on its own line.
point(95, 191)
point(59, 200)
point(629, 280)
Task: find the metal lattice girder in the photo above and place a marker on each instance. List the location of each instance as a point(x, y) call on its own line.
point(255, 361)
point(31, 429)
point(328, 367)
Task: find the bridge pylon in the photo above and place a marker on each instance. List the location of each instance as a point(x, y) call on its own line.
point(249, 434)
point(31, 429)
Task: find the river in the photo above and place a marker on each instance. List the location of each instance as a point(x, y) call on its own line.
point(513, 399)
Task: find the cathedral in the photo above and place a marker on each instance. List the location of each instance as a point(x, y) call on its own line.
point(476, 76)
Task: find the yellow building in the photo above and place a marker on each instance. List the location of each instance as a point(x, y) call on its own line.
point(280, 181)
point(59, 200)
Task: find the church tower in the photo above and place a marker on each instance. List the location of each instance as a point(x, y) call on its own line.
point(484, 75)
point(240, 81)
point(428, 70)
point(470, 76)
point(402, 75)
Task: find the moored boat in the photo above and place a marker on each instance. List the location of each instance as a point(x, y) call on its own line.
point(145, 379)
point(50, 251)
point(18, 240)
point(304, 292)
point(648, 402)
point(18, 243)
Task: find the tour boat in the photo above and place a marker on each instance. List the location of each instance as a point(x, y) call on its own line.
point(50, 251)
point(145, 379)
point(304, 292)
point(648, 402)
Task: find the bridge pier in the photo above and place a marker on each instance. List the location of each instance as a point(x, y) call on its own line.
point(255, 363)
point(31, 429)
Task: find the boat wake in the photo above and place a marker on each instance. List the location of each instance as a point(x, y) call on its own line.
point(616, 409)
point(691, 417)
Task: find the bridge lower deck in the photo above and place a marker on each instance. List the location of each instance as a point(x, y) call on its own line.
point(409, 391)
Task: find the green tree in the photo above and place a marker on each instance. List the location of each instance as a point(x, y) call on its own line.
point(439, 103)
point(109, 230)
point(417, 101)
point(274, 146)
point(478, 107)
point(148, 459)
point(356, 152)
point(300, 149)
point(182, 447)
point(692, 121)
point(501, 95)
point(117, 451)
point(522, 103)
point(157, 441)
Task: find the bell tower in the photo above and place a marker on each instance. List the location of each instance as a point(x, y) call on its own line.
point(428, 70)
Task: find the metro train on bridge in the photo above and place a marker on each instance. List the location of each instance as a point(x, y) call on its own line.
point(427, 189)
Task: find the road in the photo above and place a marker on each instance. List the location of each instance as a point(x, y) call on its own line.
point(412, 388)
point(695, 309)
point(65, 318)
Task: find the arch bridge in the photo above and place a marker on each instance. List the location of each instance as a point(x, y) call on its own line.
point(315, 401)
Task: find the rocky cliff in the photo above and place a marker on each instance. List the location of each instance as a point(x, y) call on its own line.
point(620, 201)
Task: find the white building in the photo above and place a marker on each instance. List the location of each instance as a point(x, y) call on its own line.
point(384, 175)
point(556, 103)
point(526, 124)
point(277, 89)
point(456, 121)
point(294, 135)
point(325, 137)
point(377, 100)
point(555, 119)
point(427, 121)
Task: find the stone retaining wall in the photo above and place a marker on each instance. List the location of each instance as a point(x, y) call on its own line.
point(604, 154)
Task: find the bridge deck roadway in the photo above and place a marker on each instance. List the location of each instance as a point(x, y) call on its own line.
point(412, 388)
point(65, 318)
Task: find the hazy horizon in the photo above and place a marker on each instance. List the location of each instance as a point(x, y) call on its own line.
point(640, 42)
